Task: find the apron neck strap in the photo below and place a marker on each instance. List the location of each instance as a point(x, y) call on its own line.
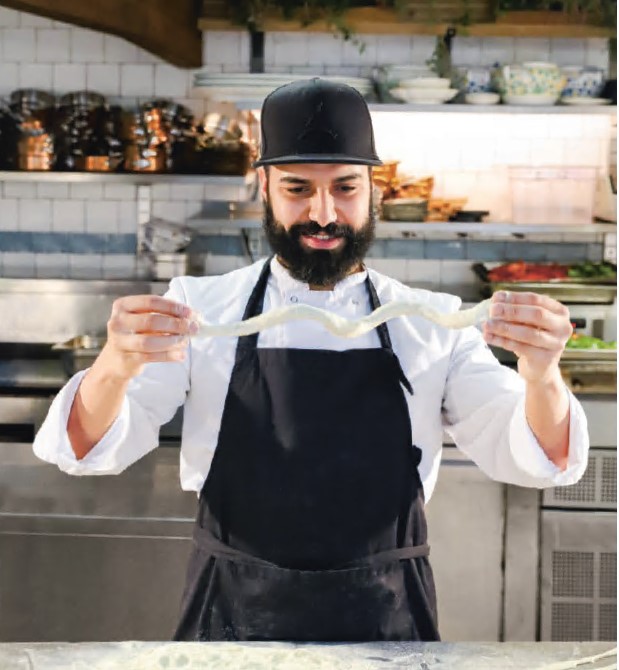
point(255, 305)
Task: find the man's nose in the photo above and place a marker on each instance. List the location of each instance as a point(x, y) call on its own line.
point(322, 208)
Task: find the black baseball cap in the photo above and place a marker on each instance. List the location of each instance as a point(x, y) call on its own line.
point(316, 121)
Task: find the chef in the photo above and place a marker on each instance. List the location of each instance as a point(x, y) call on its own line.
point(313, 455)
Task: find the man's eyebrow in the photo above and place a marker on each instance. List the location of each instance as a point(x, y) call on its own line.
point(338, 180)
point(293, 180)
point(348, 177)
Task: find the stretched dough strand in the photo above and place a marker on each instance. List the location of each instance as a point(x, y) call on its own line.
point(342, 327)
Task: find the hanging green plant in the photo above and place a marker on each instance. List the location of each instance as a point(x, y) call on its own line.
point(253, 13)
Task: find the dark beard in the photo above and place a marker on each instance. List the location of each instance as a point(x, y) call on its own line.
point(319, 267)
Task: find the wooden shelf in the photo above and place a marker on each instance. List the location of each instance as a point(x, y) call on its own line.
point(380, 21)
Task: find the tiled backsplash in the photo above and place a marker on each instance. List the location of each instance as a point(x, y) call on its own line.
point(88, 230)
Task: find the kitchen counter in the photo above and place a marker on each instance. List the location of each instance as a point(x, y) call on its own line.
point(285, 656)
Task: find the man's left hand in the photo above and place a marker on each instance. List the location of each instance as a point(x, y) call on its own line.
point(535, 327)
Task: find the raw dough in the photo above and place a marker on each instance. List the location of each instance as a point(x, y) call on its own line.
point(338, 325)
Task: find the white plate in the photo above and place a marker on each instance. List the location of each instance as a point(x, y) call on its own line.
point(482, 98)
point(421, 96)
point(530, 100)
point(585, 101)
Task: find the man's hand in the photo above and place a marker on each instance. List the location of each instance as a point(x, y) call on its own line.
point(144, 329)
point(535, 327)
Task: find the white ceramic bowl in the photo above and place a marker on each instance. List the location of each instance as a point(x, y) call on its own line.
point(425, 96)
point(482, 98)
point(425, 82)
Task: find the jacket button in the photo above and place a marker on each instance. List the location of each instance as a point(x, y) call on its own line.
point(293, 298)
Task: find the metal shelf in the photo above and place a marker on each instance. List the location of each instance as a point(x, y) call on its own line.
point(126, 178)
point(391, 228)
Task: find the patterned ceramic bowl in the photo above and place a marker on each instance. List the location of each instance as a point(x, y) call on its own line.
point(586, 82)
point(474, 79)
point(529, 78)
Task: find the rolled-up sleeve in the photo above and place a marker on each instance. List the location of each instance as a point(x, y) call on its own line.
point(484, 413)
point(151, 400)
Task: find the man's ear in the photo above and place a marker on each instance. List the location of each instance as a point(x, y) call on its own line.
point(264, 182)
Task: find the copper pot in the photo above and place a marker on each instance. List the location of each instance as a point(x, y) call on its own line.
point(97, 163)
point(140, 158)
point(35, 162)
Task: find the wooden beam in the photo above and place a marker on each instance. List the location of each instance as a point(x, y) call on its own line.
point(382, 21)
point(165, 28)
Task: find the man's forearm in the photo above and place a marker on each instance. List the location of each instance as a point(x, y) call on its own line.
point(547, 409)
point(95, 408)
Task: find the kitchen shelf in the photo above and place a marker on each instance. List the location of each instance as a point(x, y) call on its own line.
point(404, 229)
point(126, 178)
point(384, 21)
point(216, 187)
point(600, 110)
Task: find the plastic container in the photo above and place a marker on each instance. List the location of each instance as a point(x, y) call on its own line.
point(552, 195)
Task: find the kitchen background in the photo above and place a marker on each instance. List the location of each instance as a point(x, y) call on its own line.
point(545, 564)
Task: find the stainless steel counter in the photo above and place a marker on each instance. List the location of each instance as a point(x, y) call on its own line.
point(282, 656)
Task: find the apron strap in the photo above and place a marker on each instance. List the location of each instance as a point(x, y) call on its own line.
point(383, 334)
point(254, 307)
point(208, 543)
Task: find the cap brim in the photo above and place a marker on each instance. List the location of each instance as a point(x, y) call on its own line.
point(317, 158)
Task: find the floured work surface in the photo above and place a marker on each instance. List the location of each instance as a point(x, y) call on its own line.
point(283, 656)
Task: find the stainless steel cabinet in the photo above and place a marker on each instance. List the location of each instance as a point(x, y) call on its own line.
point(466, 519)
point(91, 558)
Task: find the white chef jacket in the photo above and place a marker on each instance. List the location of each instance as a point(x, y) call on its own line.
point(459, 386)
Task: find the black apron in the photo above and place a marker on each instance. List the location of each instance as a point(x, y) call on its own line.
point(311, 523)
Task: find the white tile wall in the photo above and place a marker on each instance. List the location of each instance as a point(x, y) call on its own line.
point(86, 266)
point(9, 18)
point(18, 265)
point(9, 214)
point(18, 45)
point(87, 46)
point(68, 216)
point(567, 52)
point(103, 78)
point(35, 76)
point(68, 77)
point(466, 51)
point(102, 216)
point(531, 49)
point(34, 21)
point(35, 215)
point(53, 45)
point(51, 266)
point(137, 80)
point(466, 153)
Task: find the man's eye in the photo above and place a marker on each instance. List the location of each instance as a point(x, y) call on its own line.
point(297, 190)
point(347, 189)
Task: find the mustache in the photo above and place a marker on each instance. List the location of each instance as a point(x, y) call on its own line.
point(313, 228)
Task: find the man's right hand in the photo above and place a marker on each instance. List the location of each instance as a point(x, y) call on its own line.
point(144, 329)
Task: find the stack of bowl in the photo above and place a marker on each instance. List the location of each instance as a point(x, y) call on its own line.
point(425, 90)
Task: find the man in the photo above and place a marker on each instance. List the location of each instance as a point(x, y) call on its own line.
point(313, 454)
